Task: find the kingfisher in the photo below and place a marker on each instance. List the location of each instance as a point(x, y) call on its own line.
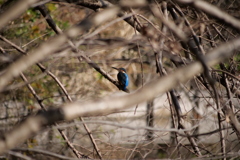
point(122, 79)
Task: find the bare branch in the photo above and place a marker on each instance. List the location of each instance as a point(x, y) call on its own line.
point(19, 155)
point(214, 11)
point(39, 151)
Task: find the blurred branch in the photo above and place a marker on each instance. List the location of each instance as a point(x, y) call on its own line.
point(39, 151)
point(63, 126)
point(19, 155)
point(214, 11)
point(169, 24)
point(229, 110)
point(45, 13)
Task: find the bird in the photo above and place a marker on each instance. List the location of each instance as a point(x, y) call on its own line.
point(123, 78)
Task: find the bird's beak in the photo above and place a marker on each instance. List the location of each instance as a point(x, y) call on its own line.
point(115, 68)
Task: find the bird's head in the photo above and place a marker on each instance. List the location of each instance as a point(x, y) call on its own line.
point(122, 70)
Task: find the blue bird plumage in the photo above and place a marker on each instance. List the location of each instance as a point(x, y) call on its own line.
point(123, 78)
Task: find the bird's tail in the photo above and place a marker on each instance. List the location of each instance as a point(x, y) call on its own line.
point(126, 90)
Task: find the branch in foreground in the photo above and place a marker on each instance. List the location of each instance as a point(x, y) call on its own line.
point(34, 124)
point(214, 11)
point(19, 155)
point(47, 153)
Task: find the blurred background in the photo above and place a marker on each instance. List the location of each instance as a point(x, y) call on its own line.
point(146, 130)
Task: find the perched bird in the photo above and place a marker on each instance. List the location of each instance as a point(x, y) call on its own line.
point(122, 78)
